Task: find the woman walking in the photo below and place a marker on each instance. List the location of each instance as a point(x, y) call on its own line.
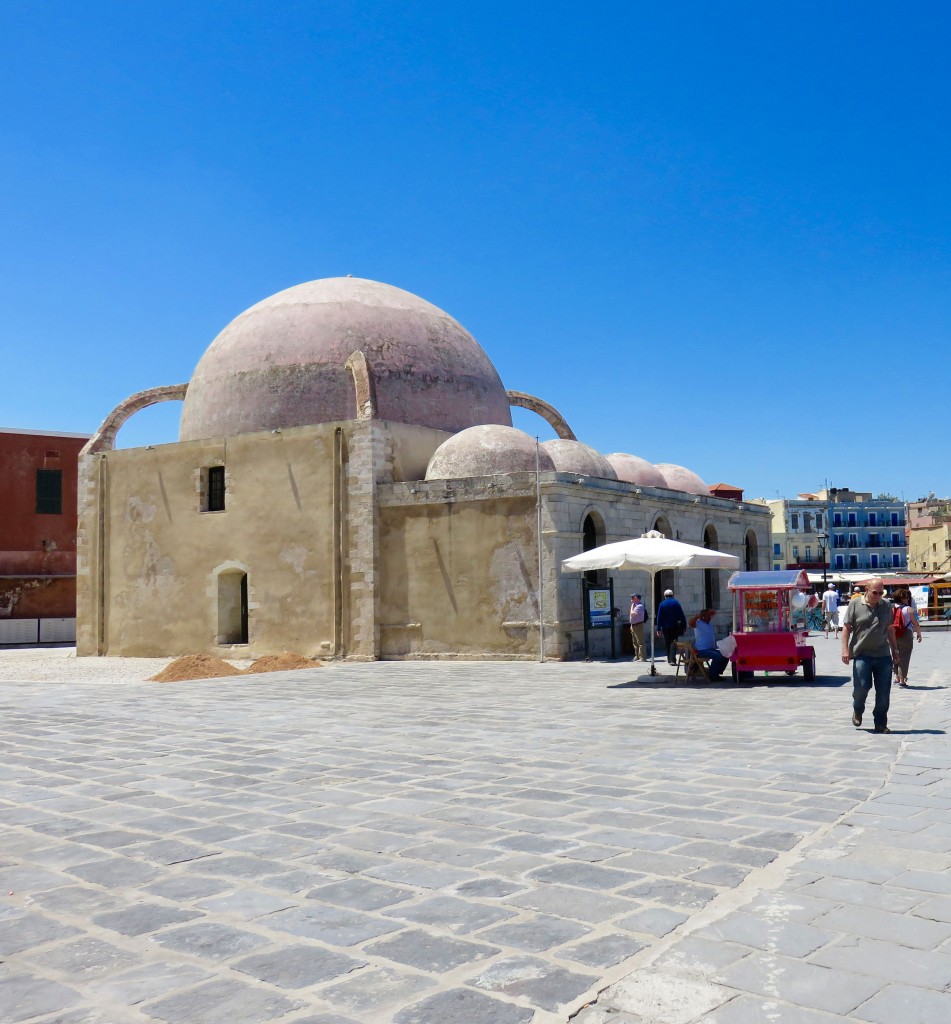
point(907, 630)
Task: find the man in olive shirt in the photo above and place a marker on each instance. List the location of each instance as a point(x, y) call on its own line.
point(868, 641)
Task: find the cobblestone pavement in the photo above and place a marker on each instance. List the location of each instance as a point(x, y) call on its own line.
point(425, 843)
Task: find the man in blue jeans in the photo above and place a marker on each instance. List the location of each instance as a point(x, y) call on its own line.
point(868, 641)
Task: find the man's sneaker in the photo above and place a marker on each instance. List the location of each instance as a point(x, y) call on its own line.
point(883, 728)
point(856, 719)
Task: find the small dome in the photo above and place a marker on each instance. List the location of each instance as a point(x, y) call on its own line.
point(575, 457)
point(636, 471)
point(487, 450)
point(283, 363)
point(681, 479)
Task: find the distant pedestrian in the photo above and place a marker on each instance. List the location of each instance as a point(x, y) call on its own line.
point(868, 641)
point(830, 609)
point(671, 624)
point(637, 616)
point(907, 630)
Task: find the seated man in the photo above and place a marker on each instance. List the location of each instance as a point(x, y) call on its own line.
point(705, 642)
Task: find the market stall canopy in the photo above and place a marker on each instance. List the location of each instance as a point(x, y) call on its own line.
point(652, 552)
point(775, 579)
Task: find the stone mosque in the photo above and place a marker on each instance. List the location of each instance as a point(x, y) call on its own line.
point(347, 483)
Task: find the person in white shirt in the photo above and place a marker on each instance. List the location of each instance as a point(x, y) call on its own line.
point(830, 610)
point(637, 616)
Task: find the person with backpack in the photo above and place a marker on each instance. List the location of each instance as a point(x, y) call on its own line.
point(907, 630)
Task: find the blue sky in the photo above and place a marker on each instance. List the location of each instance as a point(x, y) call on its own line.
point(714, 234)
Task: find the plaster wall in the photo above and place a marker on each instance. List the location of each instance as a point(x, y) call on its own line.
point(458, 573)
point(155, 591)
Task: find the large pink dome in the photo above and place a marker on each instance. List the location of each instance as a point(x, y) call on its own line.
point(679, 478)
point(636, 470)
point(282, 363)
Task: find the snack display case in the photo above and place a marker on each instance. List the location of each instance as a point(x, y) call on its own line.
point(770, 632)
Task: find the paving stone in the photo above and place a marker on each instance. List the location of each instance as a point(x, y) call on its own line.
point(247, 904)
point(804, 984)
point(298, 966)
point(877, 924)
point(463, 1006)
point(772, 934)
point(450, 914)
point(489, 888)
point(750, 1010)
point(422, 874)
point(372, 990)
point(890, 961)
point(586, 876)
point(906, 1004)
point(537, 934)
point(652, 921)
point(143, 918)
point(544, 984)
point(221, 1002)
point(116, 872)
point(433, 953)
point(604, 951)
point(188, 887)
point(211, 940)
point(336, 926)
point(23, 997)
point(84, 958)
point(26, 930)
point(576, 904)
point(671, 892)
point(360, 894)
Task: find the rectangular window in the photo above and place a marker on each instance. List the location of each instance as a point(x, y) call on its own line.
point(213, 489)
point(777, 549)
point(852, 519)
point(808, 553)
point(793, 520)
point(872, 520)
point(837, 519)
point(894, 519)
point(896, 540)
point(795, 551)
point(896, 559)
point(818, 520)
point(853, 540)
point(49, 492)
point(874, 561)
point(853, 561)
point(840, 561)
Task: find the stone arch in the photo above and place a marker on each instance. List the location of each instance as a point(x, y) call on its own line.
point(364, 391)
point(104, 439)
point(711, 577)
point(521, 400)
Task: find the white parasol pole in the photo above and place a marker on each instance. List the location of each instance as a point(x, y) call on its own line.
point(653, 629)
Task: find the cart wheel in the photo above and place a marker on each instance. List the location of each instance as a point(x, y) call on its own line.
point(809, 670)
point(733, 671)
point(790, 671)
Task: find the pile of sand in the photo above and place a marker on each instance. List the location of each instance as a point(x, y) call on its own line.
point(281, 663)
point(195, 666)
point(207, 666)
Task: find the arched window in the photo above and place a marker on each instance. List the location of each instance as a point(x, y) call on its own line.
point(750, 553)
point(711, 577)
point(663, 580)
point(592, 536)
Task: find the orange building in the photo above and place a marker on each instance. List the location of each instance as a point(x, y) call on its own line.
point(38, 473)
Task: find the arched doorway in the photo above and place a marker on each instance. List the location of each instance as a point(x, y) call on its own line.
point(711, 577)
point(750, 552)
point(232, 607)
point(663, 580)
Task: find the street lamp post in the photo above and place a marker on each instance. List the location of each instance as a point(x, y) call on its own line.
point(823, 547)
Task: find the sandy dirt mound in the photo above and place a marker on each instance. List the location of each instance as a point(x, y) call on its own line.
point(195, 666)
point(282, 663)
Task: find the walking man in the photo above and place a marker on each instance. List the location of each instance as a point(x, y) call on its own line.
point(637, 616)
point(830, 610)
point(671, 623)
point(868, 641)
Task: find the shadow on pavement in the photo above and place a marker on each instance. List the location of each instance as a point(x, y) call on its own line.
point(668, 683)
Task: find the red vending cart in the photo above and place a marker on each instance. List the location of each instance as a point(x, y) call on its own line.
point(769, 623)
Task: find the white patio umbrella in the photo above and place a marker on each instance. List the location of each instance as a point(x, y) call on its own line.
point(652, 552)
